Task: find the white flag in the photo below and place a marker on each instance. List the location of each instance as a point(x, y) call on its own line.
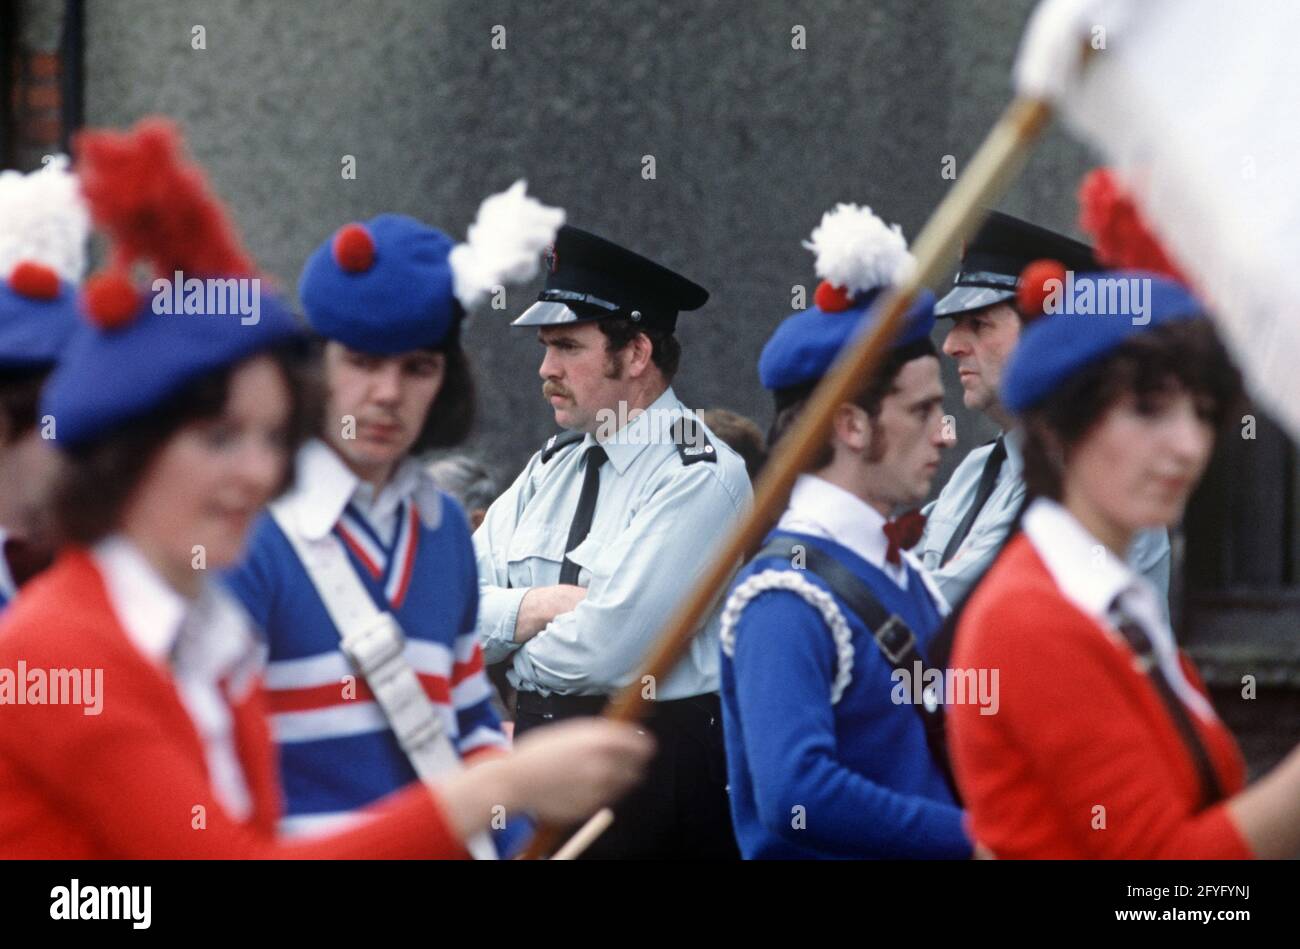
point(1197, 105)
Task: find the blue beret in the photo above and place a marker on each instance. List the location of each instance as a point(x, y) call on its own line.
point(1056, 346)
point(806, 343)
point(33, 331)
point(108, 377)
point(397, 296)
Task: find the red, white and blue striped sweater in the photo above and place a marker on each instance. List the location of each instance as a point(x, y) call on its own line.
point(337, 753)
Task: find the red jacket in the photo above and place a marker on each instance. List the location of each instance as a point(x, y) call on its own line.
point(1078, 728)
point(130, 782)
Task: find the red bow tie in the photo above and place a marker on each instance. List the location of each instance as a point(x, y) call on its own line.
point(903, 532)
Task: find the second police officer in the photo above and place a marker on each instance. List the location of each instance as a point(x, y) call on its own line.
point(976, 510)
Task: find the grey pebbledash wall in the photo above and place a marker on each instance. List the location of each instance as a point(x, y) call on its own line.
point(752, 139)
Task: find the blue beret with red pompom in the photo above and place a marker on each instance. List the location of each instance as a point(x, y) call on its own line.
point(131, 354)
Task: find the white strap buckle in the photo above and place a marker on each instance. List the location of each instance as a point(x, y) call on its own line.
point(375, 646)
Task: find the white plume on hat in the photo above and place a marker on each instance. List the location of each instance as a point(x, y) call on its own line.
point(504, 245)
point(857, 251)
point(44, 219)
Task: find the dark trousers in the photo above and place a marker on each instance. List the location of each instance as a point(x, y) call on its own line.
point(680, 811)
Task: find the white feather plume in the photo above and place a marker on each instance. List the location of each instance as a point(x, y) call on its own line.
point(43, 218)
point(858, 251)
point(504, 245)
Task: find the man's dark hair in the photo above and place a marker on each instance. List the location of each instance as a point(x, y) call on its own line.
point(666, 351)
point(99, 478)
point(1186, 355)
point(741, 434)
point(20, 393)
point(451, 417)
point(790, 402)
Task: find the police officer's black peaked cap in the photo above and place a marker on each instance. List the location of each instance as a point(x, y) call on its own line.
point(999, 251)
point(590, 278)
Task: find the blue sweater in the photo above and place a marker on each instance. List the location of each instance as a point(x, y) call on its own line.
point(808, 779)
point(337, 753)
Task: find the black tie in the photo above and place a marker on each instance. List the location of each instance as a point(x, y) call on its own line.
point(1140, 643)
point(988, 479)
point(581, 525)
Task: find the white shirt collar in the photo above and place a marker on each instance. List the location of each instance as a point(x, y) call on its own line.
point(1014, 440)
point(652, 426)
point(323, 486)
point(823, 509)
point(205, 646)
point(150, 610)
point(1083, 567)
point(381, 507)
point(152, 613)
point(1093, 578)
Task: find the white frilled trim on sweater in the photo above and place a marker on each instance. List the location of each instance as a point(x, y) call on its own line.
point(816, 597)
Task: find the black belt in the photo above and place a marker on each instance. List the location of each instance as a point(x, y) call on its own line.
point(560, 706)
point(569, 706)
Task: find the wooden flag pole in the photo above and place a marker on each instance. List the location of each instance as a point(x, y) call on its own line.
point(585, 835)
point(997, 161)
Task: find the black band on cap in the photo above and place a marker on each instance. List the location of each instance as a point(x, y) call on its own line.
point(986, 278)
point(572, 296)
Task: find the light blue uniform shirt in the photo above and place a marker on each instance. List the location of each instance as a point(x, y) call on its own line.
point(657, 523)
point(1148, 556)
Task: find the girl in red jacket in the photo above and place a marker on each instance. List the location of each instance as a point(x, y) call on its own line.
point(1102, 742)
point(132, 717)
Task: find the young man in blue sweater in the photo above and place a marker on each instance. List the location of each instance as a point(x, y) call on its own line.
point(365, 540)
point(823, 758)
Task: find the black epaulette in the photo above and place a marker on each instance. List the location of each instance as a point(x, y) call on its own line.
point(692, 444)
point(557, 441)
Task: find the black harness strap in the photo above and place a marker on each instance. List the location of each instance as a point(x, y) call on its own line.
point(1140, 643)
point(895, 640)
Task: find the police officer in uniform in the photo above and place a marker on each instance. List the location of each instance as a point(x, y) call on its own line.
point(976, 510)
point(584, 558)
